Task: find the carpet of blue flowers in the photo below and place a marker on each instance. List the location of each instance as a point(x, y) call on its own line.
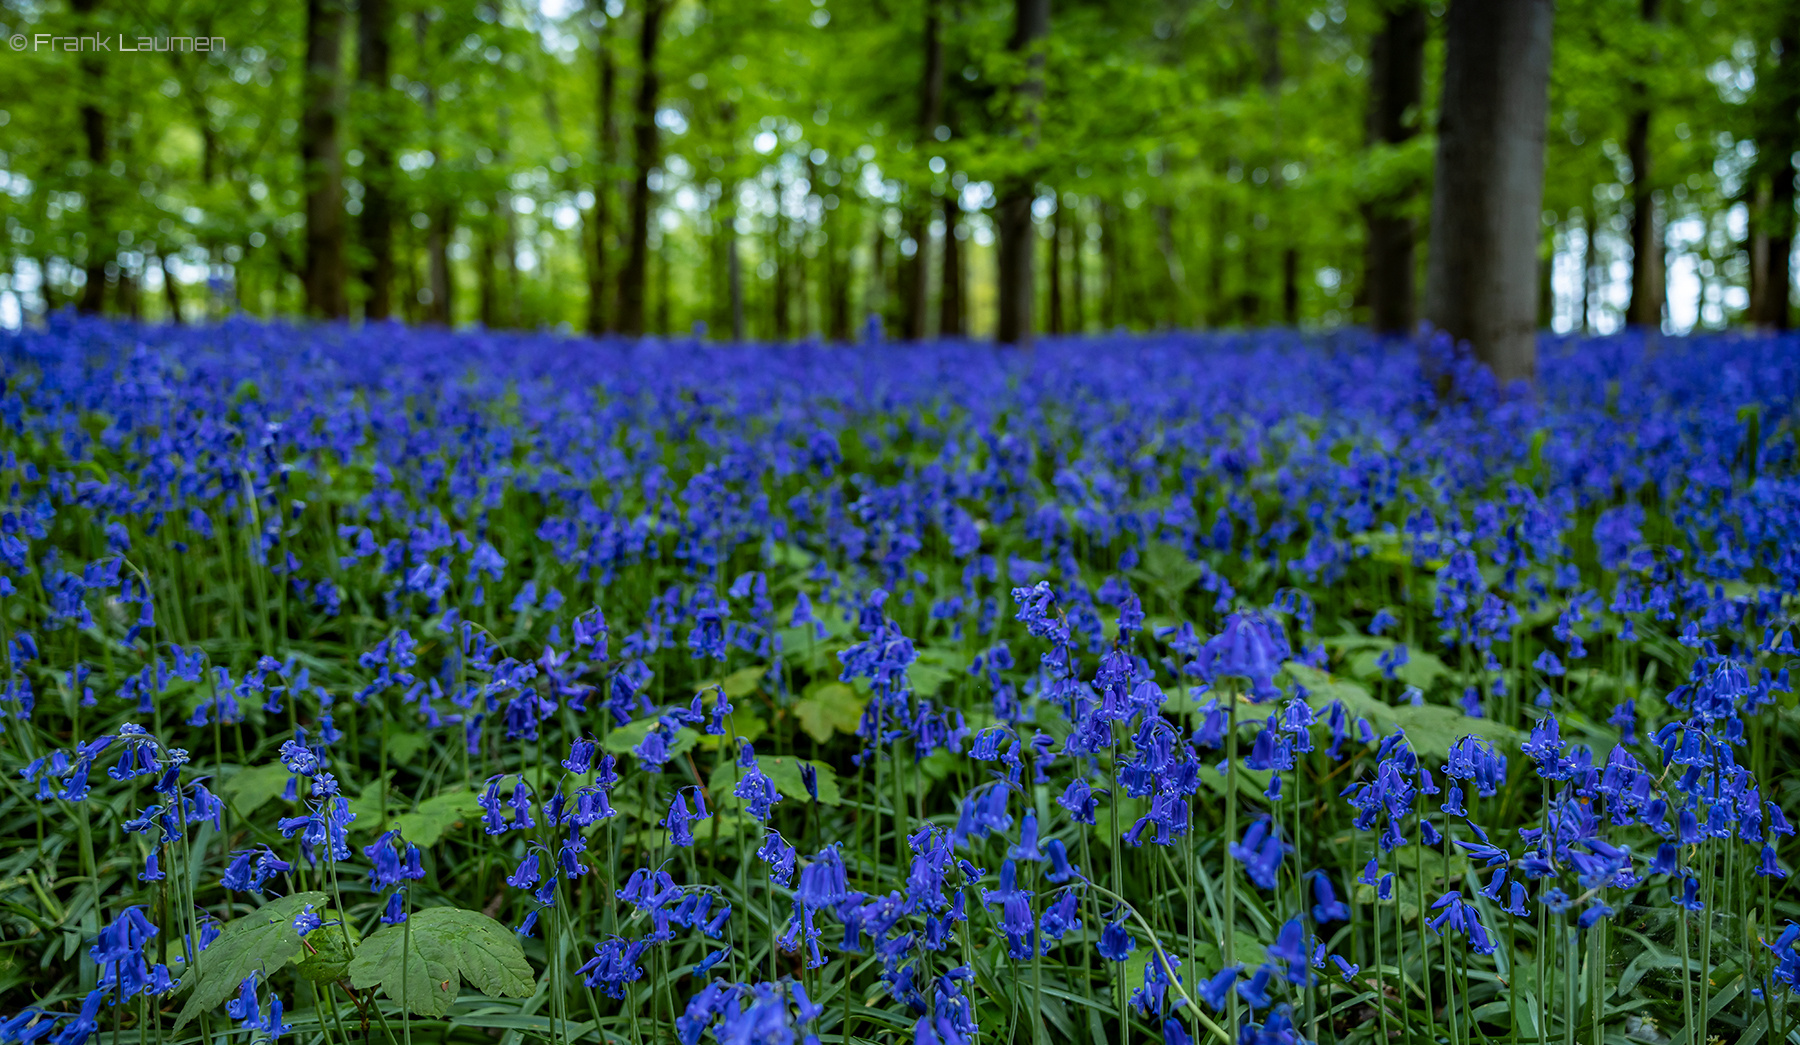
point(409, 686)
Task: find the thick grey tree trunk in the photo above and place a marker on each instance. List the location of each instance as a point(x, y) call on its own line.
point(1481, 277)
point(1018, 240)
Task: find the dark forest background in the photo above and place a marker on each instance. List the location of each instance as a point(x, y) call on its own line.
point(786, 168)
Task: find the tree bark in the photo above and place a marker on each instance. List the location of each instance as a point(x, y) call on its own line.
point(171, 292)
point(1779, 139)
point(950, 300)
point(93, 129)
point(1481, 280)
point(605, 135)
point(1018, 240)
point(1588, 257)
point(374, 26)
point(321, 161)
point(1644, 307)
point(637, 256)
point(931, 110)
point(1054, 317)
point(1290, 287)
point(1396, 89)
point(1077, 280)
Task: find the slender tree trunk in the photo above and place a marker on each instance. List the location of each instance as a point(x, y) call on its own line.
point(1290, 287)
point(374, 26)
point(486, 296)
point(917, 283)
point(605, 134)
point(98, 186)
point(437, 253)
point(321, 161)
point(1077, 275)
point(950, 300)
point(171, 292)
point(644, 147)
point(1053, 319)
point(1018, 240)
point(779, 311)
point(1396, 88)
point(1109, 265)
point(1588, 257)
point(1481, 283)
point(735, 267)
point(875, 293)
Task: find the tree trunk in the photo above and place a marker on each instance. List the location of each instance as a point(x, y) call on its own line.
point(605, 134)
point(486, 296)
point(1588, 257)
point(1644, 307)
point(374, 22)
point(1054, 317)
point(931, 109)
point(171, 292)
point(1018, 240)
point(1778, 140)
point(1396, 89)
point(950, 300)
point(321, 161)
point(779, 313)
point(735, 268)
point(437, 252)
point(1077, 278)
point(1481, 281)
point(1290, 287)
point(637, 256)
point(1109, 265)
point(93, 127)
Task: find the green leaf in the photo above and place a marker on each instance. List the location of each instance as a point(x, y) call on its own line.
point(1432, 729)
point(829, 709)
point(436, 816)
point(927, 678)
point(404, 747)
point(784, 773)
point(263, 941)
point(1167, 569)
point(329, 949)
point(621, 741)
point(449, 946)
point(740, 683)
point(248, 789)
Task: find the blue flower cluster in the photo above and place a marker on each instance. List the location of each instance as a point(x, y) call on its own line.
point(1241, 689)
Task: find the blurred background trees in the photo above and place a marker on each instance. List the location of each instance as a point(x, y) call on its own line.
point(789, 168)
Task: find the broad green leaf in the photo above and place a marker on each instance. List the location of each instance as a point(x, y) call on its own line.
point(261, 942)
point(448, 946)
point(1322, 689)
point(248, 789)
point(1432, 729)
point(404, 747)
point(328, 949)
point(740, 683)
point(1167, 569)
point(436, 816)
point(784, 773)
point(827, 709)
point(927, 678)
point(621, 741)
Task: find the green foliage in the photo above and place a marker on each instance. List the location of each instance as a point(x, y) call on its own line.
point(262, 943)
point(421, 964)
